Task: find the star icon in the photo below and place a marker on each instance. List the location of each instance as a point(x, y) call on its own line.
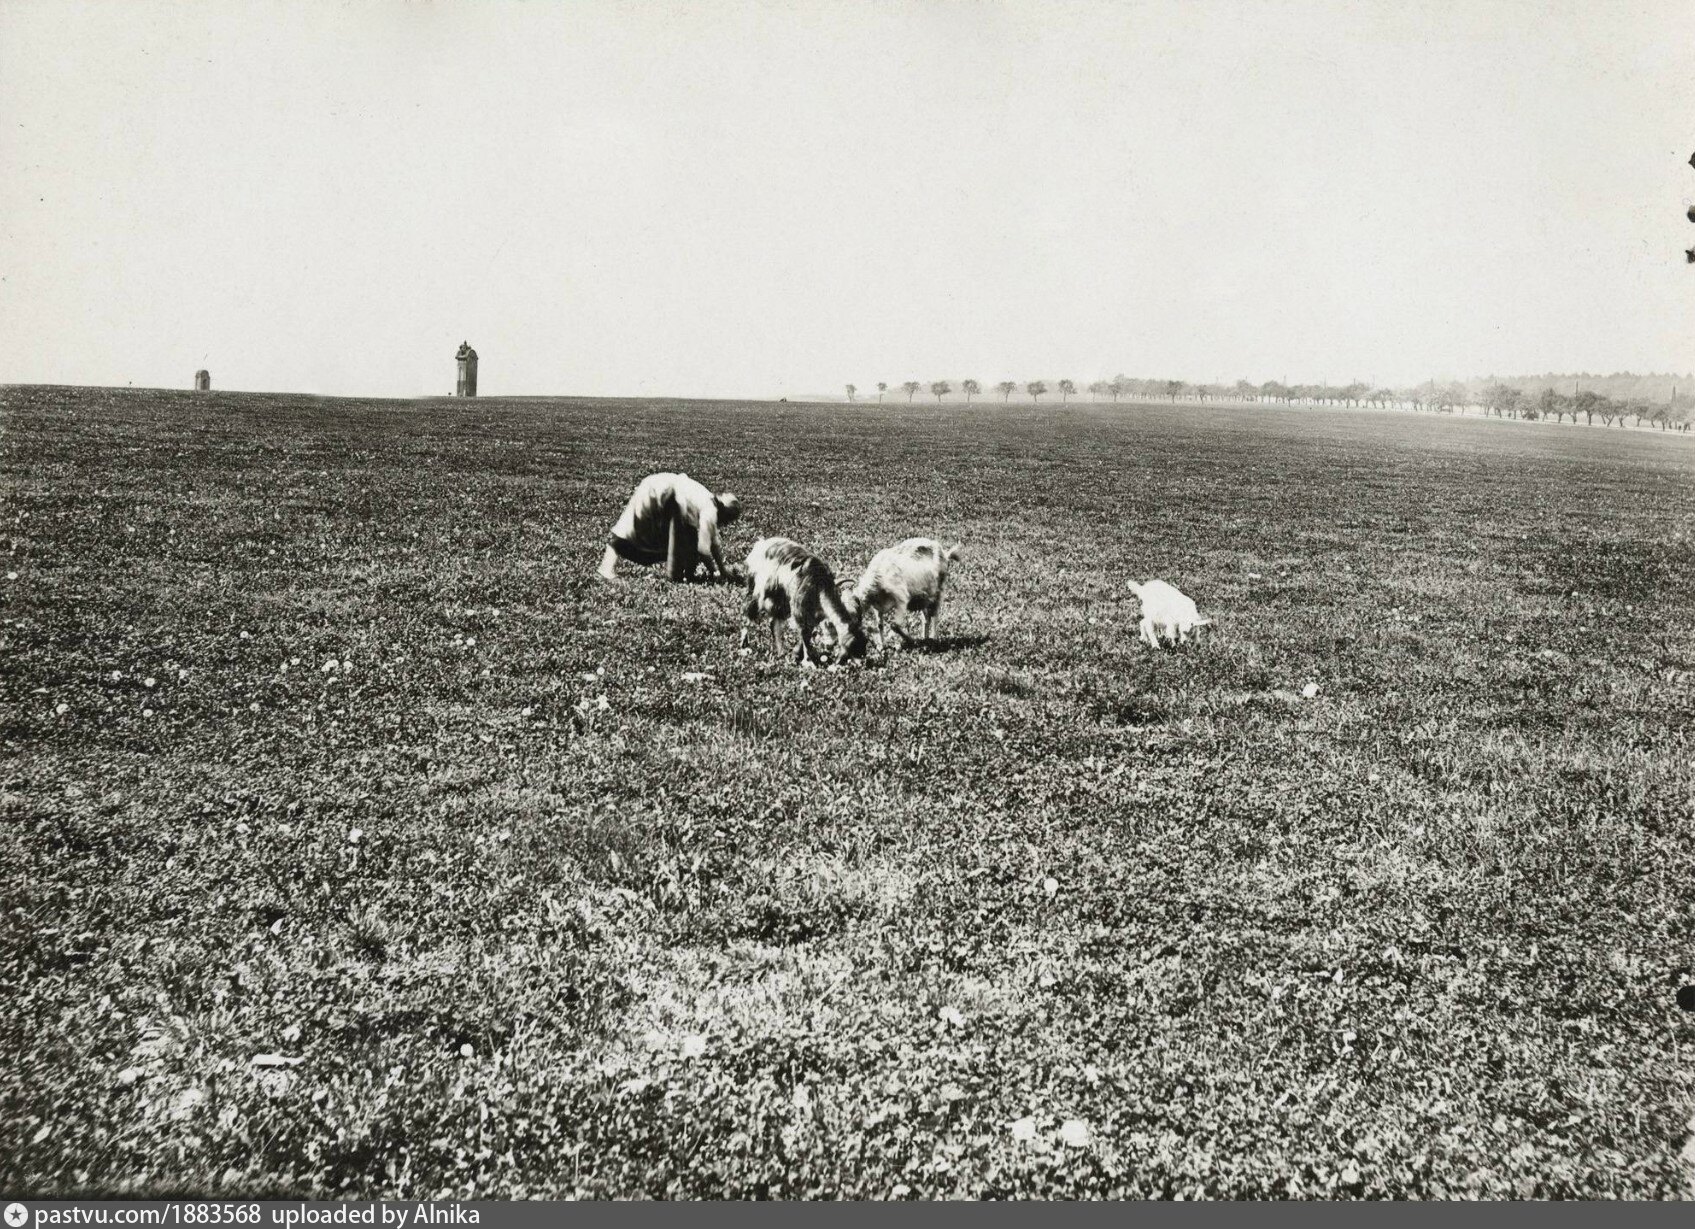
point(16, 1215)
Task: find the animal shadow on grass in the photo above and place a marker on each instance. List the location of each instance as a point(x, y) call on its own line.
point(1180, 647)
point(947, 644)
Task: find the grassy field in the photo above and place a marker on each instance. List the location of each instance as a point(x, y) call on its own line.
point(357, 841)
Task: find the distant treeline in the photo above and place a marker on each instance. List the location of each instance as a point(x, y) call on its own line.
point(1624, 398)
point(1622, 386)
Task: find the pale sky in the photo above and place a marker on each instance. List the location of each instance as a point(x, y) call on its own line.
point(727, 198)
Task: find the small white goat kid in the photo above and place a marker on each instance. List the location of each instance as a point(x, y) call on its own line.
point(1166, 613)
point(902, 580)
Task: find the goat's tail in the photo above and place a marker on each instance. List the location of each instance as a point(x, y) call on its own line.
point(953, 552)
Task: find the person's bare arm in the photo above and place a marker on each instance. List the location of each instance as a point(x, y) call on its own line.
point(709, 549)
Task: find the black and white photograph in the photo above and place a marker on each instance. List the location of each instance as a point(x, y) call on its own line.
point(884, 600)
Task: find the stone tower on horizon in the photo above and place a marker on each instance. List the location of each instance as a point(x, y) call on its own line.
point(467, 359)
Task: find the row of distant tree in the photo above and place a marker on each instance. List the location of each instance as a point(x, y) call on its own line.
point(1621, 398)
point(1036, 389)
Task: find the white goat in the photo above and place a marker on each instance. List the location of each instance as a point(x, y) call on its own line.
point(1166, 613)
point(902, 580)
point(787, 581)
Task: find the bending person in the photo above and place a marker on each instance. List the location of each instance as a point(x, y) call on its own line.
point(672, 519)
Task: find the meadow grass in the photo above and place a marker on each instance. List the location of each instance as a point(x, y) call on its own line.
point(499, 904)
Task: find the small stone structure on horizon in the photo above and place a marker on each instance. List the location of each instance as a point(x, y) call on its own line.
point(467, 359)
point(202, 381)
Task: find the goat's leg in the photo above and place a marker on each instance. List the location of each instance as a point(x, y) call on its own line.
point(751, 612)
point(1148, 637)
point(776, 638)
point(887, 623)
point(804, 635)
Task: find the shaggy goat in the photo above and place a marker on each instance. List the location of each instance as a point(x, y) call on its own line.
point(903, 580)
point(1166, 612)
point(787, 581)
